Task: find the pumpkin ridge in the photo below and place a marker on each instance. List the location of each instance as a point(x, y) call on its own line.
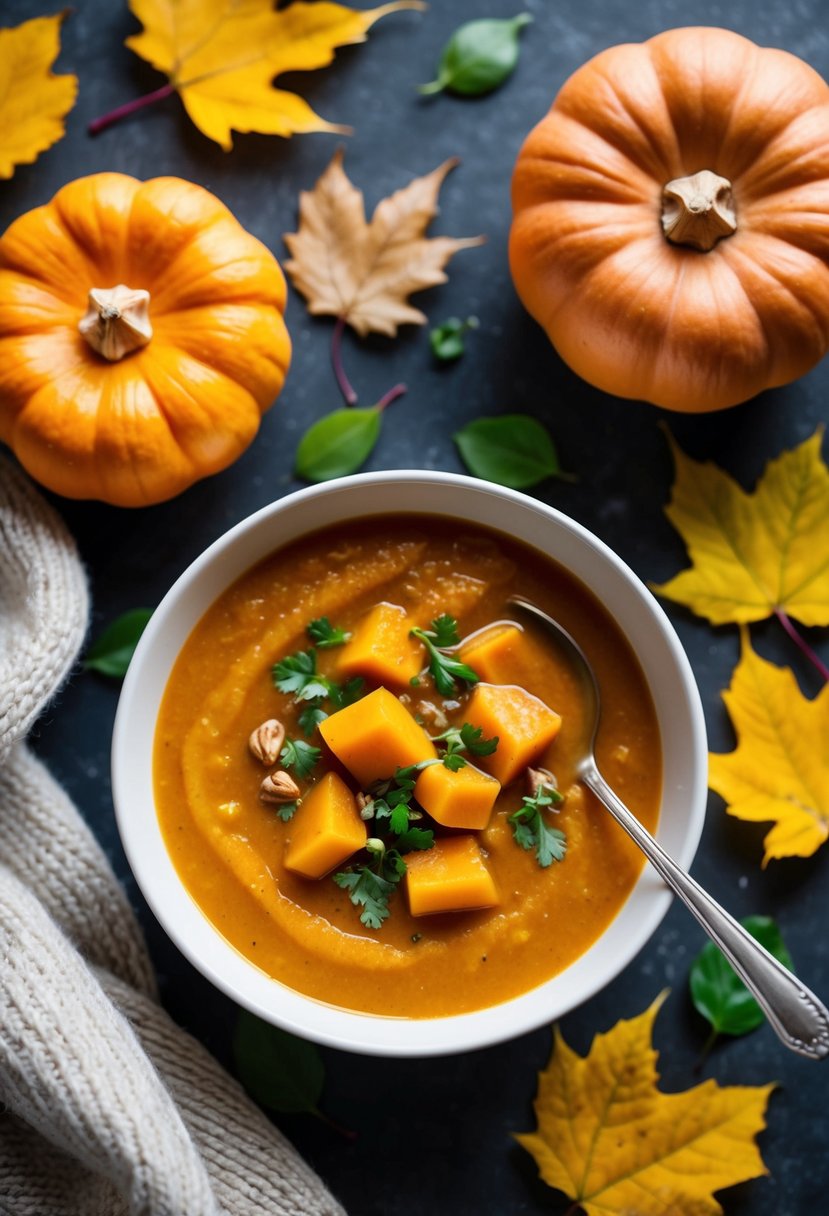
point(802, 299)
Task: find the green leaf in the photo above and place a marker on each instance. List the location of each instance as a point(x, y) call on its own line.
point(513, 450)
point(447, 340)
point(110, 654)
point(444, 630)
point(311, 717)
point(338, 444)
point(478, 57)
point(280, 1072)
point(300, 756)
point(720, 995)
point(297, 674)
point(324, 634)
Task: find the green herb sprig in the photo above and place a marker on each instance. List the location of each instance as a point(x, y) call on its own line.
point(371, 885)
point(446, 671)
point(467, 738)
point(299, 756)
point(447, 340)
point(531, 830)
point(323, 634)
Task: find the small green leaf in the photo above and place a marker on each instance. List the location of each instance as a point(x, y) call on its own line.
point(720, 995)
point(478, 57)
point(338, 444)
point(447, 340)
point(110, 654)
point(300, 756)
point(279, 1071)
point(513, 450)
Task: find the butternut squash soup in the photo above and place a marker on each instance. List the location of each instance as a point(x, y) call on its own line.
point(365, 768)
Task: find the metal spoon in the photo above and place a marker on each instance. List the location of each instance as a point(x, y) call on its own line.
point(798, 1018)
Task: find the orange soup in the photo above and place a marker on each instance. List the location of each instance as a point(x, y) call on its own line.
point(328, 786)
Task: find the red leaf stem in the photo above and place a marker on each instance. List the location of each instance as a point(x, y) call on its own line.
point(129, 107)
point(802, 645)
point(391, 395)
point(346, 387)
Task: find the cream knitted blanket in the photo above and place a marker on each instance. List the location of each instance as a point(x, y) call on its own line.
point(110, 1109)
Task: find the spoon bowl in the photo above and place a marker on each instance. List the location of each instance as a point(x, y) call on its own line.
point(796, 1015)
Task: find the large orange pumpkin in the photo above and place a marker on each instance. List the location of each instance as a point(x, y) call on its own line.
point(141, 338)
point(671, 220)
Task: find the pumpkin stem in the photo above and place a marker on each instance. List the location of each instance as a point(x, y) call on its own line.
point(698, 210)
point(117, 321)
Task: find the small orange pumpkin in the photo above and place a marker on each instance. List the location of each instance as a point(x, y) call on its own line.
point(141, 338)
point(671, 220)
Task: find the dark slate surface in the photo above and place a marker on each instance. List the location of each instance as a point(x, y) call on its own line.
point(434, 1136)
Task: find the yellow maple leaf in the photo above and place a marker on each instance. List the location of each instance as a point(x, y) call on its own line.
point(363, 272)
point(754, 554)
point(612, 1142)
point(33, 100)
point(779, 771)
point(222, 57)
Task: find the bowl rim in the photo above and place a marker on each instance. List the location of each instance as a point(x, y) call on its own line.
point(203, 945)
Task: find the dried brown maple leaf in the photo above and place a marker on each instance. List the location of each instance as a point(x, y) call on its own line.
point(363, 272)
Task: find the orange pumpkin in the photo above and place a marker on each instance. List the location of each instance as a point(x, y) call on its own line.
point(671, 220)
point(141, 338)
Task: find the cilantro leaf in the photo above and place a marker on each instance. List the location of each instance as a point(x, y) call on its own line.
point(311, 716)
point(399, 818)
point(472, 739)
point(297, 674)
point(415, 838)
point(446, 671)
point(370, 886)
point(324, 634)
point(287, 811)
point(369, 891)
point(444, 631)
point(531, 830)
point(342, 695)
point(468, 739)
point(300, 756)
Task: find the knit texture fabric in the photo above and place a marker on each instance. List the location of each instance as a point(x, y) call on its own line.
point(109, 1108)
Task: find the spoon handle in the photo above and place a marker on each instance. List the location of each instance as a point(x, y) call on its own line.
point(797, 1016)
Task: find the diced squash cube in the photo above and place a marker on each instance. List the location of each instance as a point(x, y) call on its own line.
point(450, 877)
point(326, 829)
point(525, 727)
point(457, 800)
point(380, 648)
point(375, 736)
point(495, 653)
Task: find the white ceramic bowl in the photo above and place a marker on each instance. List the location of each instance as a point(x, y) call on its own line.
point(651, 635)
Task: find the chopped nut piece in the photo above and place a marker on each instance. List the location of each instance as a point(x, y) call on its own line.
point(266, 741)
point(536, 777)
point(279, 787)
point(365, 803)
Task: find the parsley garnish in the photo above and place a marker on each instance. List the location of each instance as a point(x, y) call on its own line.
point(311, 716)
point(346, 694)
point(531, 830)
point(391, 799)
point(297, 674)
point(287, 811)
point(300, 756)
point(324, 634)
point(370, 886)
point(446, 671)
point(468, 738)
